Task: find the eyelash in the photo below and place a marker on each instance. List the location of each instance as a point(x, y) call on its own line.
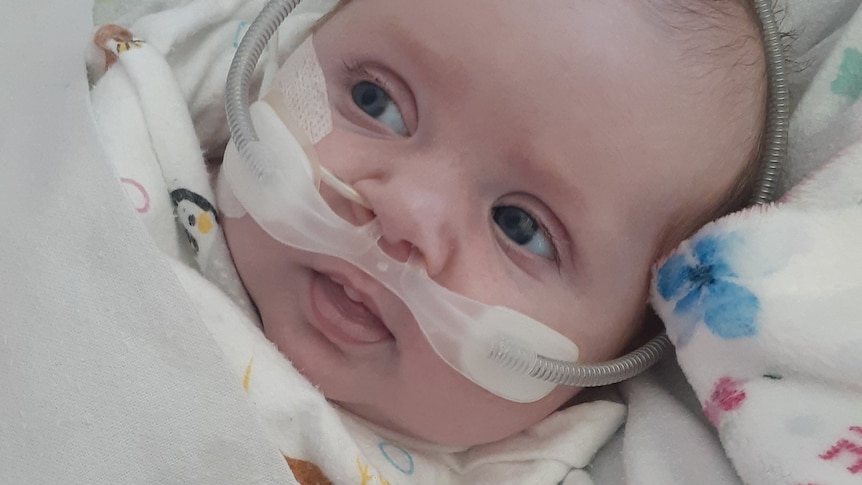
point(355, 71)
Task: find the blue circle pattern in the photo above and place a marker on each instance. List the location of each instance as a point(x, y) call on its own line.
point(386, 448)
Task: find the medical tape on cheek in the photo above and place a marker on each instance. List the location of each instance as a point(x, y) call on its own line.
point(300, 98)
point(299, 89)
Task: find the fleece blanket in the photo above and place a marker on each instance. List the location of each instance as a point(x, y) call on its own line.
point(764, 307)
point(765, 310)
point(822, 45)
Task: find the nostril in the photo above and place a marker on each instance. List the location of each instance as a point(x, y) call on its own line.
point(362, 215)
point(346, 207)
point(400, 251)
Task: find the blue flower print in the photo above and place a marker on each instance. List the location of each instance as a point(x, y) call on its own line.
point(702, 282)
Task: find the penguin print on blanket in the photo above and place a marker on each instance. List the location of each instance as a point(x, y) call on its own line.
point(198, 218)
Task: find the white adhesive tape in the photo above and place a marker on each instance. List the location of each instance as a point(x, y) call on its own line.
point(299, 88)
point(299, 93)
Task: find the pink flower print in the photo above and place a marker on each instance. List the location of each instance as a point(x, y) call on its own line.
point(726, 396)
point(844, 447)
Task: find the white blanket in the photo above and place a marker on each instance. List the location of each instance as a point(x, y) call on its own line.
point(106, 374)
point(765, 306)
point(765, 309)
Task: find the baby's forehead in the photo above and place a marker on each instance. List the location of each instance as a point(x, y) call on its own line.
point(722, 32)
point(694, 14)
point(671, 71)
point(718, 33)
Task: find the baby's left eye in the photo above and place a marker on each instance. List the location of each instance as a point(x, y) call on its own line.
point(524, 230)
point(376, 103)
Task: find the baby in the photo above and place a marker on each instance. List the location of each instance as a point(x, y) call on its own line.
point(536, 158)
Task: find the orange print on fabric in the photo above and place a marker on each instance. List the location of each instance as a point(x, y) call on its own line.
point(307, 473)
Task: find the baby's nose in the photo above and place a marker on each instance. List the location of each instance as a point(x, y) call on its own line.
point(399, 251)
point(356, 211)
point(413, 218)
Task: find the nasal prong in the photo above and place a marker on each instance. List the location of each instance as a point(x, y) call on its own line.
point(416, 259)
point(341, 187)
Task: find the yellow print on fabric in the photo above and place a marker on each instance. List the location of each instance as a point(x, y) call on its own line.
point(129, 45)
point(365, 478)
point(246, 376)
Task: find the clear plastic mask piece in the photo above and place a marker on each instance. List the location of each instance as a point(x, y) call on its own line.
point(280, 190)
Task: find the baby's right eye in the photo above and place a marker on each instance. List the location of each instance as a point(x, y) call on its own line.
point(374, 101)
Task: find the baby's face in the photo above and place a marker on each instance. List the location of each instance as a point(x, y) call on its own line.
point(534, 157)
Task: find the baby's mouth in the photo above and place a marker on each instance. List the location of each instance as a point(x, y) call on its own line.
point(343, 313)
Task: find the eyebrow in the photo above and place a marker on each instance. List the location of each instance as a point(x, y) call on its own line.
point(432, 65)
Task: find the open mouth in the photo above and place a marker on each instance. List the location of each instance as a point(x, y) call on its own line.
point(344, 314)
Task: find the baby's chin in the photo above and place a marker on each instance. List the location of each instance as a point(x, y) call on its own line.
point(427, 431)
point(445, 422)
point(422, 434)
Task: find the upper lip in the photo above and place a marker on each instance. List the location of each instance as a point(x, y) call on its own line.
point(371, 291)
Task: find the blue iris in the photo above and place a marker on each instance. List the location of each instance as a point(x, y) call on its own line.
point(703, 283)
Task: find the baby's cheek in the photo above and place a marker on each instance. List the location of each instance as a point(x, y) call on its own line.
point(249, 247)
point(237, 238)
point(340, 149)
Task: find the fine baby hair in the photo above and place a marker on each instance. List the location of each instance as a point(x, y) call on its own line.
point(272, 170)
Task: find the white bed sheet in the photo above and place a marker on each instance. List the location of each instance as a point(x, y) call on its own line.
point(106, 375)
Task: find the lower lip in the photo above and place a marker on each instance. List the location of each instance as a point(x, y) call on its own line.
point(340, 319)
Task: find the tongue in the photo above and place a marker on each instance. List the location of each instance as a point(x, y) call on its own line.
point(359, 322)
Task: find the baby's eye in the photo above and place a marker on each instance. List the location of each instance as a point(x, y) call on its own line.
point(376, 103)
point(523, 229)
